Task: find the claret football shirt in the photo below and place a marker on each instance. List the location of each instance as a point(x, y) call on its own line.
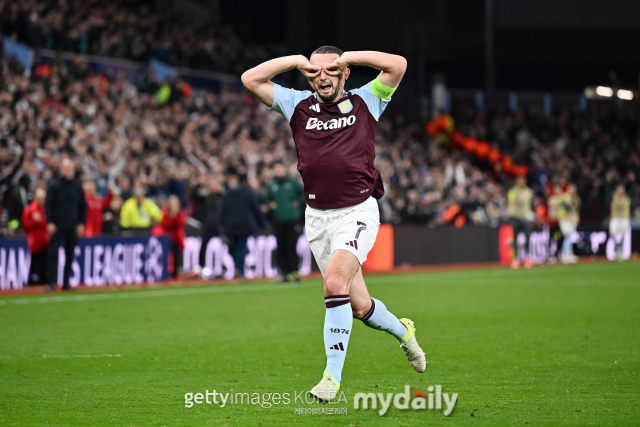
point(335, 144)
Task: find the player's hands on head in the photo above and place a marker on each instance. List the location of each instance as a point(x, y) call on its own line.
point(307, 68)
point(337, 67)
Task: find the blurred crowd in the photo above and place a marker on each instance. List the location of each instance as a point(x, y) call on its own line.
point(596, 150)
point(127, 142)
point(128, 29)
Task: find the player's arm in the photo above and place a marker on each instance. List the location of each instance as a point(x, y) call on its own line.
point(258, 79)
point(392, 66)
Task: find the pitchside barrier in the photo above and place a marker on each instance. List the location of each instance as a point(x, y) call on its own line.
point(98, 261)
point(104, 261)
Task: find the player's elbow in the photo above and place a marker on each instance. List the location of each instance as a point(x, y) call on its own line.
point(401, 64)
point(246, 79)
point(249, 80)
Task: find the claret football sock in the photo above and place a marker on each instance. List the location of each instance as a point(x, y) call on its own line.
point(381, 318)
point(338, 321)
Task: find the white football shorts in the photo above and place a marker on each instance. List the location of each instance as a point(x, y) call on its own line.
point(619, 226)
point(567, 228)
point(353, 228)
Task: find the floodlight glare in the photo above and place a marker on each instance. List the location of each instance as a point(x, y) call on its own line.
point(625, 94)
point(604, 91)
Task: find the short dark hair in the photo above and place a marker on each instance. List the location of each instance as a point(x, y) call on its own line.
point(327, 49)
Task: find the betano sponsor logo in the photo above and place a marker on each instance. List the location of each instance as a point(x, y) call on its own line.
point(314, 123)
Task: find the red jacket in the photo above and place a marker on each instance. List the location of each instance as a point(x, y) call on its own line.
point(34, 223)
point(174, 225)
point(95, 208)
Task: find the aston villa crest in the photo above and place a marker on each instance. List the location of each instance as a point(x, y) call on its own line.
point(345, 106)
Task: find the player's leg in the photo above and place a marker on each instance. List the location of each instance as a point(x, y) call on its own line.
point(52, 260)
point(373, 313)
point(70, 242)
point(567, 229)
point(516, 225)
point(292, 253)
point(527, 235)
point(338, 320)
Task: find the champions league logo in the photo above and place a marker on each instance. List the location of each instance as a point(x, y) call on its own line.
point(153, 261)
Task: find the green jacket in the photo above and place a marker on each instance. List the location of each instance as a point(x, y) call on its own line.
point(288, 195)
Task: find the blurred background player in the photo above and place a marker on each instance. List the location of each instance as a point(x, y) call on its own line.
point(620, 222)
point(284, 199)
point(66, 212)
point(553, 219)
point(208, 205)
point(34, 223)
point(520, 199)
point(569, 220)
point(240, 218)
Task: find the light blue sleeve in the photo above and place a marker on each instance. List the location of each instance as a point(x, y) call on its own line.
point(376, 105)
point(285, 100)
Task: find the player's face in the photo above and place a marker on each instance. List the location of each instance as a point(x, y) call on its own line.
point(326, 86)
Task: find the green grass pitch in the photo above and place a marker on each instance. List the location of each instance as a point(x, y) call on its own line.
point(546, 346)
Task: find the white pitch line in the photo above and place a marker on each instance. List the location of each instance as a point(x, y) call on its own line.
point(410, 277)
point(69, 356)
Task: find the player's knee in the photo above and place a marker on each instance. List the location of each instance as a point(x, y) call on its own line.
point(335, 284)
point(359, 313)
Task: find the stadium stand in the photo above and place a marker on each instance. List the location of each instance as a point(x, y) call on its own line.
point(128, 30)
point(124, 135)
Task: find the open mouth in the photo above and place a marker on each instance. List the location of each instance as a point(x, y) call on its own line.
point(325, 88)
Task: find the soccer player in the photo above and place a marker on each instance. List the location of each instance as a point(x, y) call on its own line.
point(519, 199)
point(334, 131)
point(569, 219)
point(620, 214)
point(553, 219)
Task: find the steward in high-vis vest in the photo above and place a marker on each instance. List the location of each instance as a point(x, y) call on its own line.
point(620, 222)
point(520, 198)
point(569, 220)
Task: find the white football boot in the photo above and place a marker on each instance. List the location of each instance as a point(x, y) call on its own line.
point(412, 350)
point(326, 390)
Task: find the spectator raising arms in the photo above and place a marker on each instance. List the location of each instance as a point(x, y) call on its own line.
point(95, 208)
